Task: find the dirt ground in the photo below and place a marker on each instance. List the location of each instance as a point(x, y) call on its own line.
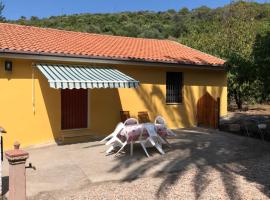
point(246, 122)
point(257, 109)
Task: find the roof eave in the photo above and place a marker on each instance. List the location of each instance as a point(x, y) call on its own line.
point(6, 53)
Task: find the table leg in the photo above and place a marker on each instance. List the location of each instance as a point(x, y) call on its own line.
point(131, 149)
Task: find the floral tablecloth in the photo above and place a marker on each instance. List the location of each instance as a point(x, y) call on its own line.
point(132, 132)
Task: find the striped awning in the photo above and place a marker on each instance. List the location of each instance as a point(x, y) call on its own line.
point(72, 76)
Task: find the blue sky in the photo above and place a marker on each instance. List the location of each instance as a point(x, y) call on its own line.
point(44, 8)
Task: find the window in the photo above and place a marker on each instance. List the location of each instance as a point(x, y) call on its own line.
point(174, 85)
point(74, 108)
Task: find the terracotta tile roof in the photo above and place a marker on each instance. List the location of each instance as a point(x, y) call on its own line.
point(34, 40)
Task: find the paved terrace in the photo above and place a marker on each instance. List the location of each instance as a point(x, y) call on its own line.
point(201, 164)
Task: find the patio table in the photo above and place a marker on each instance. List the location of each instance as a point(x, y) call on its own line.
point(133, 132)
point(144, 133)
point(147, 134)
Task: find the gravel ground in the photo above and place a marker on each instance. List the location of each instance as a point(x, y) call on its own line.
point(185, 187)
point(212, 165)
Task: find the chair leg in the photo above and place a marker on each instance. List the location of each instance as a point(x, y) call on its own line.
point(166, 141)
point(114, 139)
point(158, 147)
point(162, 140)
point(114, 145)
point(110, 141)
point(121, 148)
point(151, 141)
point(145, 150)
point(110, 149)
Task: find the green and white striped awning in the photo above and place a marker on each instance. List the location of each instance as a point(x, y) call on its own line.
point(76, 77)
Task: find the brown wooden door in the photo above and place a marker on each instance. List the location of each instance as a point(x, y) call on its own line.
point(208, 111)
point(74, 108)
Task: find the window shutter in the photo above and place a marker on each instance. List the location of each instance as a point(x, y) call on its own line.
point(174, 85)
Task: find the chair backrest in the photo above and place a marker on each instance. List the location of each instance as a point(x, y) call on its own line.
point(124, 115)
point(131, 121)
point(150, 128)
point(160, 120)
point(118, 128)
point(143, 117)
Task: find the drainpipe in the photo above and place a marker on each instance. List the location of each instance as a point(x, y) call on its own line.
point(17, 181)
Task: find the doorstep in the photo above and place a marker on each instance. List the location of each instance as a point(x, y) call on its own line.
point(74, 136)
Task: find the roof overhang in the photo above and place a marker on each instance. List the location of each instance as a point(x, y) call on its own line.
point(102, 60)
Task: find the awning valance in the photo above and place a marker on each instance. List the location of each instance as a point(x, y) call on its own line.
point(72, 76)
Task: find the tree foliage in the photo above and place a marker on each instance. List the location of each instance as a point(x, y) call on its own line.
point(239, 33)
point(261, 54)
point(1, 11)
point(234, 35)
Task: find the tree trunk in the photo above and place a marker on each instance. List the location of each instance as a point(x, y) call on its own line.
point(238, 100)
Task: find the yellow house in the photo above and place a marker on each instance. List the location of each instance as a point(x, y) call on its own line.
point(62, 86)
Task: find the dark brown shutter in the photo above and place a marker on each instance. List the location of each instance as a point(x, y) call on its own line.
point(74, 108)
point(174, 85)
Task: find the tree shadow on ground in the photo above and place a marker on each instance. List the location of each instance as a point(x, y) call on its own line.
point(205, 150)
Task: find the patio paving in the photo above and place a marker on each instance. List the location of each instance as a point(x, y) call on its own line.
point(201, 164)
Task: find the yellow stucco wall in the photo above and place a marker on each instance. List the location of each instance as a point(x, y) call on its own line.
point(42, 125)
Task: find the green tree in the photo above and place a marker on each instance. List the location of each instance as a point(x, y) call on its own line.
point(184, 11)
point(202, 12)
point(22, 20)
point(261, 53)
point(230, 34)
point(34, 18)
point(240, 32)
point(151, 33)
point(2, 6)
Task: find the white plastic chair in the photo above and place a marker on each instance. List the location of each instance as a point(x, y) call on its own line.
point(113, 137)
point(153, 139)
point(131, 121)
point(161, 120)
point(116, 131)
point(117, 142)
